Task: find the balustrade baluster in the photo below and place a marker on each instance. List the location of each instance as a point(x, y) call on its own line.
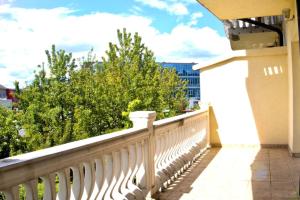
point(167, 164)
point(116, 174)
point(107, 168)
point(98, 178)
point(140, 175)
point(177, 154)
point(31, 190)
point(63, 186)
point(173, 157)
point(127, 168)
point(121, 160)
point(161, 176)
point(134, 151)
point(77, 186)
point(182, 148)
point(163, 150)
point(89, 179)
point(158, 151)
point(12, 193)
point(49, 185)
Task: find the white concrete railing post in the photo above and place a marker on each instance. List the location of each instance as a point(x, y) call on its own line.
point(145, 119)
point(142, 119)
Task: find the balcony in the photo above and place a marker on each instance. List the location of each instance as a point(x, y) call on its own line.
point(249, 107)
point(165, 159)
point(255, 102)
point(130, 164)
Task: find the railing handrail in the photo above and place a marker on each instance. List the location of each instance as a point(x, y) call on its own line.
point(31, 157)
point(177, 118)
point(23, 159)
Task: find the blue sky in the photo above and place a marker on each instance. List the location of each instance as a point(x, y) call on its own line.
point(176, 30)
point(162, 20)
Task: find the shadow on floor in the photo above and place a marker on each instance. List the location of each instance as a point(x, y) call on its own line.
point(275, 175)
point(238, 174)
point(183, 184)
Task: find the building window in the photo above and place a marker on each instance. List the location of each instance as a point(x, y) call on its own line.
point(185, 72)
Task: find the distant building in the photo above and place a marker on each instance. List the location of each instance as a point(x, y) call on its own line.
point(2, 92)
point(7, 97)
point(185, 72)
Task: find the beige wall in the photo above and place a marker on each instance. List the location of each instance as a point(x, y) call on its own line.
point(292, 38)
point(284, 111)
point(249, 98)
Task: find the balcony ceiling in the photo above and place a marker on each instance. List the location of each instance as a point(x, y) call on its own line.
point(236, 9)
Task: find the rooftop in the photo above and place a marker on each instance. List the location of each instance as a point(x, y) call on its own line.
point(2, 87)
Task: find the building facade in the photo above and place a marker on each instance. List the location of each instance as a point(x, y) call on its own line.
point(7, 97)
point(2, 92)
point(255, 89)
point(186, 72)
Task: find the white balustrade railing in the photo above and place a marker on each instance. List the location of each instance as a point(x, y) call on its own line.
point(178, 142)
point(129, 164)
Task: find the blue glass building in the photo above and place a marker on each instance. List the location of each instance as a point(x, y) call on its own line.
point(186, 72)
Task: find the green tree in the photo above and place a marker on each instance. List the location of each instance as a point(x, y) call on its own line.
point(47, 104)
point(132, 73)
point(11, 142)
point(129, 79)
point(76, 101)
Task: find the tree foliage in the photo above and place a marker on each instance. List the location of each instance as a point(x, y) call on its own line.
point(11, 142)
point(76, 100)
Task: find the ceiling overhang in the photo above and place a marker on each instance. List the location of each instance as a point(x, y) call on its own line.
point(237, 9)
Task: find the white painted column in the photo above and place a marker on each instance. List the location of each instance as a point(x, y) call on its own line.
point(145, 119)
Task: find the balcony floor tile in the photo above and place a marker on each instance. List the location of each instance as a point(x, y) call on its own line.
point(238, 173)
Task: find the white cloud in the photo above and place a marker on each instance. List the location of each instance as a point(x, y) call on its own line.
point(190, 1)
point(178, 9)
point(136, 10)
point(6, 1)
point(154, 3)
point(26, 33)
point(185, 1)
point(186, 44)
point(172, 7)
point(194, 18)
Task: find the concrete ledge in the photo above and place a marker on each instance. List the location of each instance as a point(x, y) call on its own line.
point(240, 54)
point(69, 148)
point(177, 118)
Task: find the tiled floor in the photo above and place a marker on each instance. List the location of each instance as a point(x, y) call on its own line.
point(238, 174)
